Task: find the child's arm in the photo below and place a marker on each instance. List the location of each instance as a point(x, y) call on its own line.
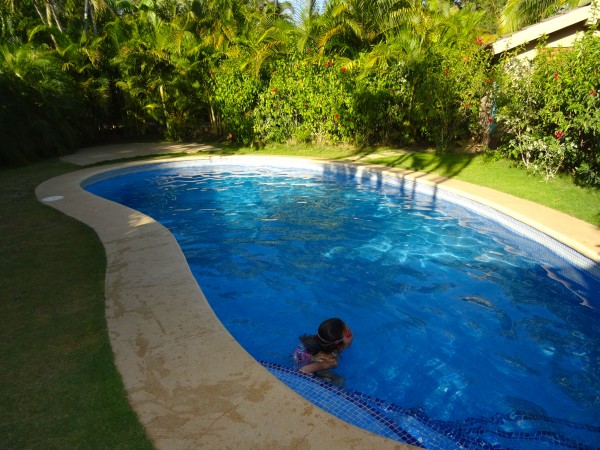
point(318, 366)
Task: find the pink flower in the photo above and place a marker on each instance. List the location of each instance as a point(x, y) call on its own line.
point(559, 134)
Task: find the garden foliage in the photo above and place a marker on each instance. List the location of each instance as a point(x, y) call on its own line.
point(307, 100)
point(395, 72)
point(549, 111)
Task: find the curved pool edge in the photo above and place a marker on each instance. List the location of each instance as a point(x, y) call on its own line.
point(576, 234)
point(191, 384)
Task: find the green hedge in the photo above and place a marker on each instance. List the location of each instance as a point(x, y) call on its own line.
point(549, 111)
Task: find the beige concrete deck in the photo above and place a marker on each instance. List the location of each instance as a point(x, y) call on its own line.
point(189, 381)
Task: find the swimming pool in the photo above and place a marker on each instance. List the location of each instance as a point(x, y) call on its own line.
point(427, 290)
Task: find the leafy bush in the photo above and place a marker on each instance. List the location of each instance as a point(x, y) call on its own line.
point(449, 85)
point(236, 94)
point(381, 107)
point(549, 111)
point(307, 100)
point(40, 107)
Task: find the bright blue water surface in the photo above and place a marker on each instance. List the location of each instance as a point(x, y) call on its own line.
point(457, 317)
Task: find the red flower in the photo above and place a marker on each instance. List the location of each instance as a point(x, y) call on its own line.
point(488, 81)
point(556, 75)
point(330, 63)
point(559, 134)
point(308, 49)
point(446, 72)
point(336, 116)
point(273, 91)
point(467, 104)
point(344, 70)
point(479, 41)
point(326, 64)
point(490, 120)
point(593, 92)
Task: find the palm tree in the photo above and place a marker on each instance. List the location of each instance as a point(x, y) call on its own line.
point(92, 9)
point(306, 17)
point(413, 30)
point(520, 13)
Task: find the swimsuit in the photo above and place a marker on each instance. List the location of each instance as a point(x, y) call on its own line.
point(302, 357)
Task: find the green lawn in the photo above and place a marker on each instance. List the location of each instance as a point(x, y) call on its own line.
point(59, 386)
point(560, 193)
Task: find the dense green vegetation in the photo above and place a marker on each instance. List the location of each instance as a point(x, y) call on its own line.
point(398, 72)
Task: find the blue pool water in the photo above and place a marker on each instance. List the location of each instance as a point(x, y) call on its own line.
point(471, 329)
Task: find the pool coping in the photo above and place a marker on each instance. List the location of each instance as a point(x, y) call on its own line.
point(188, 380)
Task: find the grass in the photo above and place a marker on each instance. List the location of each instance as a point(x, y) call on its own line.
point(59, 387)
point(560, 193)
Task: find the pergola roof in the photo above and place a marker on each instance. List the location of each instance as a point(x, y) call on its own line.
point(584, 15)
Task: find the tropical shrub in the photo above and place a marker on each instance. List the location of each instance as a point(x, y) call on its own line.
point(40, 110)
point(235, 97)
point(307, 100)
point(449, 85)
point(162, 76)
point(381, 106)
point(549, 111)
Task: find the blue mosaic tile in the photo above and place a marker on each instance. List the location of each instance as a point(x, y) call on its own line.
point(413, 426)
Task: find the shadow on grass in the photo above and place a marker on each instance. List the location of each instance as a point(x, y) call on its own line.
point(446, 165)
point(59, 384)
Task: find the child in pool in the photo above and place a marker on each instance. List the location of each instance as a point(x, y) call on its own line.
point(318, 353)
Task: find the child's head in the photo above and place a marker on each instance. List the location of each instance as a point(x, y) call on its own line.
point(334, 333)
